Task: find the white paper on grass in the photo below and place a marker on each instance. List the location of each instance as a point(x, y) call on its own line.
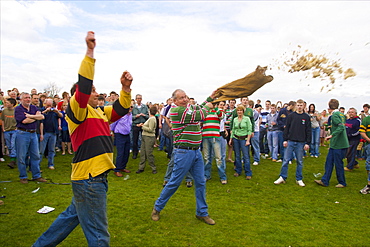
point(45, 210)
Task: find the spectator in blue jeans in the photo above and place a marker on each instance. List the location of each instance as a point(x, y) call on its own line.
point(27, 144)
point(121, 129)
point(297, 137)
point(315, 130)
point(241, 131)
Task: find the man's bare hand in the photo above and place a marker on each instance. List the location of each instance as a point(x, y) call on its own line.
point(91, 43)
point(213, 95)
point(210, 105)
point(90, 40)
point(126, 80)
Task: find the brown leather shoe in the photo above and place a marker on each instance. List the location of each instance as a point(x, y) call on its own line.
point(125, 170)
point(24, 181)
point(206, 219)
point(118, 174)
point(12, 164)
point(155, 214)
point(40, 179)
point(319, 182)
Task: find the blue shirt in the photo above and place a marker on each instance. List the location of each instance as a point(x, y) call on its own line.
point(19, 115)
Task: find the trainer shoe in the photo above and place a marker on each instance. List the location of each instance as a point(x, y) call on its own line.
point(347, 169)
point(248, 177)
point(356, 166)
point(365, 190)
point(280, 180)
point(274, 160)
point(2, 159)
point(319, 182)
point(290, 162)
point(340, 186)
point(189, 184)
point(155, 214)
point(279, 160)
point(300, 183)
point(255, 163)
point(223, 181)
point(206, 219)
point(51, 167)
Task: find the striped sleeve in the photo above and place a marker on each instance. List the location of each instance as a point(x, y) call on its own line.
point(119, 108)
point(77, 107)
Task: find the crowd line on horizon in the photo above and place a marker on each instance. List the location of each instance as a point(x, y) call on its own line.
point(261, 137)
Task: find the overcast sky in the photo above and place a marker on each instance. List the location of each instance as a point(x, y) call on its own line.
point(196, 46)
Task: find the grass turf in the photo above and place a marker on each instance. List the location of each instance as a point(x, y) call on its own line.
point(247, 212)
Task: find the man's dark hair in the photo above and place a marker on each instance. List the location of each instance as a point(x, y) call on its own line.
point(366, 105)
point(333, 104)
point(101, 97)
point(12, 101)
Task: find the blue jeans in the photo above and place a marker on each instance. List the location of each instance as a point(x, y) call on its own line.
point(239, 146)
point(185, 161)
point(9, 137)
point(351, 153)
point(88, 208)
point(169, 170)
point(27, 144)
point(281, 146)
point(255, 142)
point(50, 140)
point(123, 151)
point(263, 141)
point(164, 141)
point(297, 148)
point(367, 163)
point(273, 142)
point(335, 158)
point(212, 149)
point(315, 141)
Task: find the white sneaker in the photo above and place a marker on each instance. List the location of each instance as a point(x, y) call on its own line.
point(279, 160)
point(290, 162)
point(2, 159)
point(255, 163)
point(280, 180)
point(300, 183)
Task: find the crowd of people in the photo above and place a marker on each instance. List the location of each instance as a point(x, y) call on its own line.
point(36, 125)
point(241, 133)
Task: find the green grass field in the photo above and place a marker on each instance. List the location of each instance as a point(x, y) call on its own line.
point(247, 213)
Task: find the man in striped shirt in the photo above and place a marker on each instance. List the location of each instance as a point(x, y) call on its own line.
point(93, 146)
point(212, 144)
point(187, 137)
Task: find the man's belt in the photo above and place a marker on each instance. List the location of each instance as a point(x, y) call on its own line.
point(188, 148)
point(240, 137)
point(27, 130)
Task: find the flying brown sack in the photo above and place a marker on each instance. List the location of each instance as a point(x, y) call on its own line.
point(243, 87)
